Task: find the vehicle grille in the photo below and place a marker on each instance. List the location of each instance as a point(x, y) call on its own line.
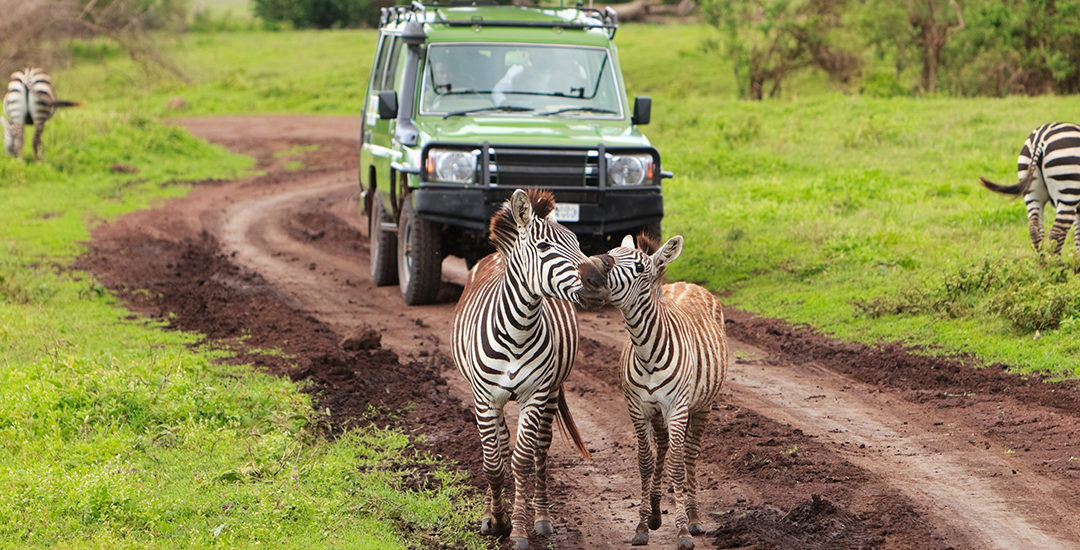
point(576, 169)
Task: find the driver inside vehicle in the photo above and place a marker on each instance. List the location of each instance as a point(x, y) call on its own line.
point(541, 72)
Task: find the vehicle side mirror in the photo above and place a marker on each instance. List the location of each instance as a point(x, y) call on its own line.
point(642, 110)
point(388, 104)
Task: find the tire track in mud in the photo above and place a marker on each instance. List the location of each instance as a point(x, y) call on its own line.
point(963, 494)
point(785, 430)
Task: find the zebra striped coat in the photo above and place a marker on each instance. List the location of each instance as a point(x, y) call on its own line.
point(515, 338)
point(673, 367)
point(1048, 169)
point(30, 99)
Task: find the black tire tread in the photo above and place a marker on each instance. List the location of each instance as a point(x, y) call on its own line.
point(422, 285)
point(383, 248)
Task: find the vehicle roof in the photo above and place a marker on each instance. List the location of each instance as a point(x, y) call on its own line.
point(489, 23)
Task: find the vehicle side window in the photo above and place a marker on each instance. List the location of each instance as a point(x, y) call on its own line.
point(393, 62)
point(378, 69)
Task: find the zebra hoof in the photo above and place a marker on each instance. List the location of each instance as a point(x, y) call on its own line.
point(520, 543)
point(491, 528)
point(686, 543)
point(696, 529)
point(654, 522)
point(544, 528)
point(640, 539)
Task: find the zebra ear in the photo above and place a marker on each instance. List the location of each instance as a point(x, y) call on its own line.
point(667, 253)
point(628, 242)
point(521, 209)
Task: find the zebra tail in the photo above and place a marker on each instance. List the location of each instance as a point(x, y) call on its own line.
point(1015, 189)
point(65, 103)
point(568, 427)
point(1021, 187)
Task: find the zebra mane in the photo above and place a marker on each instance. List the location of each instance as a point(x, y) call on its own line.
point(646, 244)
point(503, 230)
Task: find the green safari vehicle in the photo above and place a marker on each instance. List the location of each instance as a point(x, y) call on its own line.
point(466, 103)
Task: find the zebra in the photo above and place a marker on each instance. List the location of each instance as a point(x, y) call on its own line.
point(673, 367)
point(1048, 169)
point(514, 337)
point(30, 99)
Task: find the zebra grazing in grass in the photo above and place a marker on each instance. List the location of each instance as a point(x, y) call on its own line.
point(1048, 169)
point(673, 367)
point(30, 99)
point(514, 338)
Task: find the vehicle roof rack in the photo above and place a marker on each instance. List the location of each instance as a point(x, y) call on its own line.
point(584, 19)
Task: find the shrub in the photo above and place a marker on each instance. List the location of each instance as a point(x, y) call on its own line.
point(322, 14)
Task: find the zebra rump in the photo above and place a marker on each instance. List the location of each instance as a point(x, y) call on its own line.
point(30, 99)
point(1048, 169)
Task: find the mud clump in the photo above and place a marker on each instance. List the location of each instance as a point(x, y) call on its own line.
point(812, 524)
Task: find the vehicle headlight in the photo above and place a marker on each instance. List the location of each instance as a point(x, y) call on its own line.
point(629, 169)
point(451, 166)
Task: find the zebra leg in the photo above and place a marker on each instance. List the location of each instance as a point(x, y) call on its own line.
point(677, 473)
point(1034, 204)
point(1066, 216)
point(646, 467)
point(541, 506)
point(661, 432)
point(19, 128)
point(9, 141)
point(39, 128)
point(694, 430)
point(1076, 244)
point(495, 439)
point(523, 468)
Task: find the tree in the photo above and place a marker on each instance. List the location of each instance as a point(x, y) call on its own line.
point(1028, 47)
point(908, 29)
point(768, 40)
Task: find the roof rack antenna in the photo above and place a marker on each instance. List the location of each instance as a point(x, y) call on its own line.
point(420, 9)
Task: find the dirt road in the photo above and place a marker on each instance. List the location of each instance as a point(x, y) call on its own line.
point(817, 444)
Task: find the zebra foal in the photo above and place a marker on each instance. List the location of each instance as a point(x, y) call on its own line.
point(30, 99)
point(673, 367)
point(514, 337)
point(1048, 169)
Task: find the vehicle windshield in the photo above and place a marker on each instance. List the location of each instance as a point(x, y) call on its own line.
point(519, 79)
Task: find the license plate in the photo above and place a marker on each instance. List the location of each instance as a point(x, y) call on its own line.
point(567, 212)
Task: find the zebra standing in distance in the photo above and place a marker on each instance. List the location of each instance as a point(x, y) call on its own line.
point(30, 99)
point(673, 367)
point(1048, 169)
point(515, 337)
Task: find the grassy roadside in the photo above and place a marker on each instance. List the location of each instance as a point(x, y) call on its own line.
point(860, 216)
point(115, 433)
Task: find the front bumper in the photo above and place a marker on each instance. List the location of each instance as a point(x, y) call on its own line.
point(601, 212)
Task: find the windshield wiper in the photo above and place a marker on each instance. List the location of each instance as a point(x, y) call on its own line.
point(511, 108)
point(587, 109)
point(448, 89)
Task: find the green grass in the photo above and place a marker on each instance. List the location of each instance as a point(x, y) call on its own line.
point(862, 217)
point(116, 433)
point(833, 210)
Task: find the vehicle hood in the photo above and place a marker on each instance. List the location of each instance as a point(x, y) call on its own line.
point(511, 130)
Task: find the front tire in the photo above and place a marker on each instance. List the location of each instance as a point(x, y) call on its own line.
point(383, 246)
point(419, 258)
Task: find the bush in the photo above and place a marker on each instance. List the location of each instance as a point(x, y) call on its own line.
point(1029, 295)
point(322, 14)
point(33, 32)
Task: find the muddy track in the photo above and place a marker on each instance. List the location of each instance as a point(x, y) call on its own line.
point(816, 444)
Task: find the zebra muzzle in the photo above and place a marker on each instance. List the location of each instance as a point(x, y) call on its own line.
point(594, 290)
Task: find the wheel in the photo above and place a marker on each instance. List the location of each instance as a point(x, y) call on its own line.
point(383, 246)
point(419, 258)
